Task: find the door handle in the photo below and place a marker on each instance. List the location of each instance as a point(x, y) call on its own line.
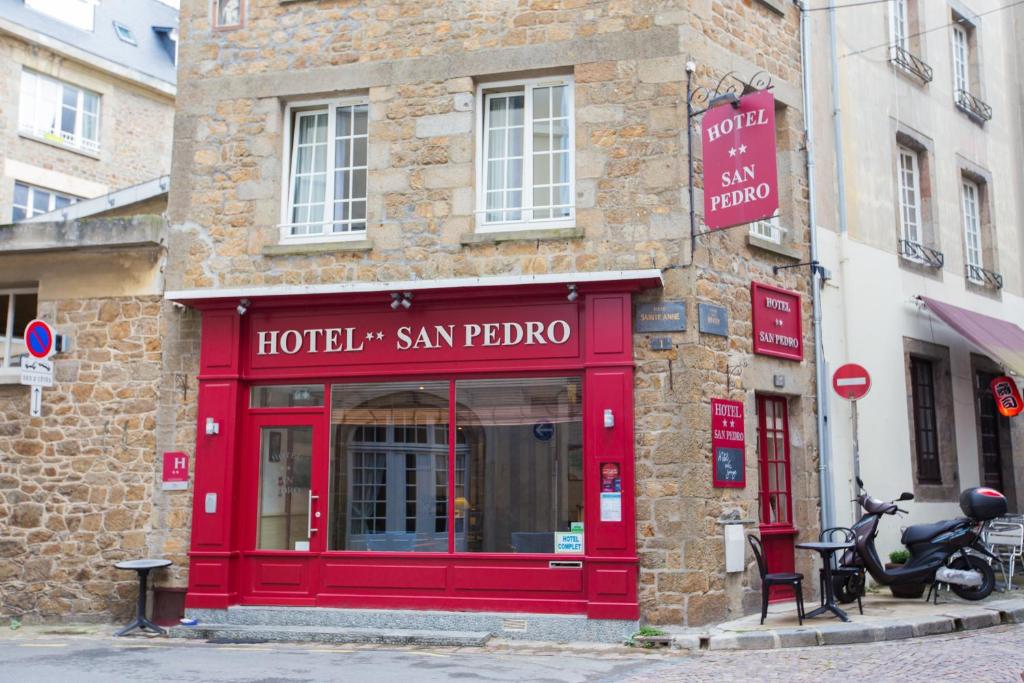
point(309, 515)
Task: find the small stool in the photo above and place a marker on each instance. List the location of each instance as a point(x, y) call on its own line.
point(143, 568)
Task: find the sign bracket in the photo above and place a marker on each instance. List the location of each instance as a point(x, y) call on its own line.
point(816, 269)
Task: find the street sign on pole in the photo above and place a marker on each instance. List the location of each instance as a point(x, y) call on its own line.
point(39, 339)
point(851, 381)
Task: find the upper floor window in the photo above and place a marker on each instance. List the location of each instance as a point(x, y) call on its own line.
point(901, 24)
point(17, 309)
point(327, 187)
point(961, 82)
point(525, 173)
point(966, 78)
point(972, 228)
point(124, 33)
point(910, 196)
point(30, 200)
point(227, 13)
point(78, 13)
point(59, 112)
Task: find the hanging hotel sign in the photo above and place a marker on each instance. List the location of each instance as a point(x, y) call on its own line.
point(1008, 400)
point(740, 171)
point(499, 333)
point(777, 322)
point(728, 441)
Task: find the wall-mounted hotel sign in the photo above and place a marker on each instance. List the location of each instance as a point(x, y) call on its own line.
point(777, 322)
point(662, 316)
point(728, 441)
point(740, 170)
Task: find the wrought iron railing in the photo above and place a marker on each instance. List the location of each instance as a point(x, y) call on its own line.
point(981, 276)
point(973, 107)
point(907, 61)
point(918, 253)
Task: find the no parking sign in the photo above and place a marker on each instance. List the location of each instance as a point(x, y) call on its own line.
point(39, 339)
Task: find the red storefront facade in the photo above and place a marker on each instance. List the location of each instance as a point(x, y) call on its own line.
point(451, 452)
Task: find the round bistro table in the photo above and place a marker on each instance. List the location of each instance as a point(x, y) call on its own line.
point(142, 567)
point(826, 550)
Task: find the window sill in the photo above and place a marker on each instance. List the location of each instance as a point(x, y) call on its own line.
point(10, 379)
point(983, 289)
point(298, 249)
point(767, 245)
point(543, 234)
point(59, 145)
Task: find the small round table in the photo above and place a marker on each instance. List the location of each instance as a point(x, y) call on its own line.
point(142, 567)
point(826, 550)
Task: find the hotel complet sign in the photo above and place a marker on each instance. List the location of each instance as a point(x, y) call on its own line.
point(740, 170)
point(777, 322)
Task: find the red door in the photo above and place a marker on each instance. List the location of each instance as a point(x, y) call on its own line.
point(776, 501)
point(284, 511)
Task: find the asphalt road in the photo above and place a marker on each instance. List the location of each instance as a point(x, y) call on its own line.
point(995, 654)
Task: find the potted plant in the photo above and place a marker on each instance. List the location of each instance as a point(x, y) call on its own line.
point(897, 558)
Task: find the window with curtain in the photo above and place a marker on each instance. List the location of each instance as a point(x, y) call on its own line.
point(30, 201)
point(773, 457)
point(961, 56)
point(59, 112)
point(526, 174)
point(909, 181)
point(17, 309)
point(971, 199)
point(328, 168)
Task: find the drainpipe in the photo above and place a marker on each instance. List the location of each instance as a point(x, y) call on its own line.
point(821, 379)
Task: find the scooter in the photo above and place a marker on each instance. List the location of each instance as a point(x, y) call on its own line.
point(950, 552)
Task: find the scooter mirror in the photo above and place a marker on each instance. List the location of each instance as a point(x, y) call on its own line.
point(860, 482)
point(906, 495)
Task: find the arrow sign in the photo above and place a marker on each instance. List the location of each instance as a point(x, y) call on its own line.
point(36, 405)
point(851, 381)
point(39, 338)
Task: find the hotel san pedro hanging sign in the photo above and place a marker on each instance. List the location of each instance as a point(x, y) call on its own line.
point(740, 171)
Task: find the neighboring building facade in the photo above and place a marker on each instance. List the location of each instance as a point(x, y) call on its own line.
point(933, 210)
point(88, 99)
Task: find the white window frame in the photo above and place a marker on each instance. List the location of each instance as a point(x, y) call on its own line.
point(527, 222)
point(124, 33)
point(768, 229)
point(78, 13)
point(289, 142)
point(74, 140)
point(30, 205)
point(7, 338)
point(899, 25)
point(915, 189)
point(970, 211)
point(961, 61)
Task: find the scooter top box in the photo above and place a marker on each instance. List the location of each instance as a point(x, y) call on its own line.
point(983, 503)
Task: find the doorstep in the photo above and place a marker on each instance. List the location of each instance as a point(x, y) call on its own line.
point(884, 618)
point(395, 627)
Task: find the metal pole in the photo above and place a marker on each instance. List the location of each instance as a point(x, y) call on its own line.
point(690, 68)
point(856, 453)
point(821, 396)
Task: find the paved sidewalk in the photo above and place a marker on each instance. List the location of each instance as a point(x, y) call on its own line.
point(884, 618)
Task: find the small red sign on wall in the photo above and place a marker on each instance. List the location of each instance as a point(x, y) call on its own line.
point(777, 322)
point(175, 477)
point(728, 442)
point(1007, 397)
point(740, 170)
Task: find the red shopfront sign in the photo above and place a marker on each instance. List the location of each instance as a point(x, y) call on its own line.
point(443, 338)
point(777, 322)
point(728, 443)
point(1007, 396)
point(740, 170)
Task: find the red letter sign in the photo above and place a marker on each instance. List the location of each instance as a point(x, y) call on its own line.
point(1007, 396)
point(175, 471)
point(777, 322)
point(740, 173)
point(728, 441)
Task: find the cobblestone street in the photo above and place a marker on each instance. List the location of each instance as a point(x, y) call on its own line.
point(995, 654)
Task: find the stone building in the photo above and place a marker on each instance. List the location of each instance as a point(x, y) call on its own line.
point(423, 384)
point(922, 233)
point(87, 99)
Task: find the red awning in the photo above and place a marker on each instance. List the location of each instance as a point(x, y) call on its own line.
point(1003, 341)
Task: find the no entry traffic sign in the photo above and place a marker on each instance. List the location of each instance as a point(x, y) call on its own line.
point(851, 381)
point(39, 339)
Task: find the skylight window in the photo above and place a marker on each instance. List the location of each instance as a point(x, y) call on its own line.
point(124, 33)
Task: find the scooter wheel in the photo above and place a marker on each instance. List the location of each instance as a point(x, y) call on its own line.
point(848, 588)
point(988, 578)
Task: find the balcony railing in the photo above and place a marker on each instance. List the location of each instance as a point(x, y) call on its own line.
point(986, 278)
point(918, 253)
point(973, 107)
point(907, 61)
point(61, 137)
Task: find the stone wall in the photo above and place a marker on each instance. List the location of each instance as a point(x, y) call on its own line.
point(135, 129)
point(77, 484)
point(413, 61)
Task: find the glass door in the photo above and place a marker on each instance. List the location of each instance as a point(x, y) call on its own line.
point(290, 504)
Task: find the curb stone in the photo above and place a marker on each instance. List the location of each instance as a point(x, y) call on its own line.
point(963, 619)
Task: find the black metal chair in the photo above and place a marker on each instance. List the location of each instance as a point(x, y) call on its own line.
point(847, 535)
point(776, 579)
